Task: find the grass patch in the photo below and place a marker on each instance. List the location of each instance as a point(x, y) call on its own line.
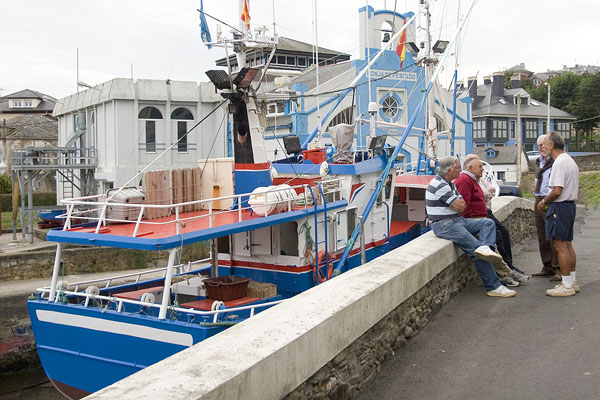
point(589, 182)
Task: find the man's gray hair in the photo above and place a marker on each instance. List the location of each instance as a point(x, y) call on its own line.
point(469, 160)
point(541, 138)
point(445, 164)
point(559, 142)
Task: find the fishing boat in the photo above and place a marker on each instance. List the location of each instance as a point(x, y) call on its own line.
point(289, 225)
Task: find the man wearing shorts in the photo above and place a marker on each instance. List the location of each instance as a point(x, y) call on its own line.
point(560, 213)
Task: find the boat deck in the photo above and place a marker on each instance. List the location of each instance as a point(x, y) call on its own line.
point(172, 231)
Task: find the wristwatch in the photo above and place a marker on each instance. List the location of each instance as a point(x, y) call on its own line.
point(544, 200)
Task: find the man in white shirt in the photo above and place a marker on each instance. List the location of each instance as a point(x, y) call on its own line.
point(560, 213)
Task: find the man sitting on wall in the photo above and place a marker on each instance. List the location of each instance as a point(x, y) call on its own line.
point(476, 206)
point(444, 205)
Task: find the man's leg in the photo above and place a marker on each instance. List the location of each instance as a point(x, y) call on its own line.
point(566, 256)
point(547, 253)
point(486, 229)
point(456, 232)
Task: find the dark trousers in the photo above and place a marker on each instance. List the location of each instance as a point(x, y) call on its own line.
point(547, 252)
point(502, 240)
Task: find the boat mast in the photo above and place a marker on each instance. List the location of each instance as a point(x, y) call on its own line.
point(340, 267)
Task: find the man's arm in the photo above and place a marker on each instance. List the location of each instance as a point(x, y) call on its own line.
point(458, 205)
point(466, 193)
point(550, 197)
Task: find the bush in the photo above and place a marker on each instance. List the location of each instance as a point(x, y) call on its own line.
point(5, 183)
point(39, 199)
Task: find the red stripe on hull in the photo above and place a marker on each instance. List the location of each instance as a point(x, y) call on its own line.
point(256, 167)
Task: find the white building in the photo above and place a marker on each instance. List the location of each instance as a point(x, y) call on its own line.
point(127, 123)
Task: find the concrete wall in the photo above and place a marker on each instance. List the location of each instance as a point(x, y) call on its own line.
point(329, 341)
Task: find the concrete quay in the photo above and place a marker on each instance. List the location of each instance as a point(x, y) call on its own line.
point(528, 347)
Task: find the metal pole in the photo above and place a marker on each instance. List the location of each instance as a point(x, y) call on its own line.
point(548, 129)
point(57, 259)
point(167, 292)
point(363, 254)
point(519, 140)
point(214, 262)
point(30, 203)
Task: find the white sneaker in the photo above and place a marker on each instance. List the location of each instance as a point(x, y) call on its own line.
point(576, 286)
point(561, 290)
point(519, 277)
point(487, 254)
point(502, 291)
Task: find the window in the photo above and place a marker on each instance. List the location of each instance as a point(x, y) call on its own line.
point(479, 129)
point(390, 107)
point(544, 127)
point(500, 175)
point(564, 128)
point(513, 130)
point(290, 60)
point(151, 136)
point(280, 60)
point(27, 103)
point(302, 61)
point(17, 103)
point(180, 114)
point(150, 115)
point(277, 107)
point(499, 129)
point(343, 117)
point(531, 129)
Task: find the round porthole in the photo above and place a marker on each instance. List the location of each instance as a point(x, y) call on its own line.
point(390, 107)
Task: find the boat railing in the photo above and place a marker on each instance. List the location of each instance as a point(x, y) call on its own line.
point(121, 301)
point(96, 208)
point(178, 269)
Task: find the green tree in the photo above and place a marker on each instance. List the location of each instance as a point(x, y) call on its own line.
point(5, 184)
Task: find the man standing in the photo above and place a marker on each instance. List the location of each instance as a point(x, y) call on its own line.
point(543, 168)
point(560, 215)
point(444, 205)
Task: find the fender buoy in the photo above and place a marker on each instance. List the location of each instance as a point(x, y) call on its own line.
point(316, 270)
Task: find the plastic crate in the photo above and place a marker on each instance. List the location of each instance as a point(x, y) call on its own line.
point(226, 288)
point(128, 195)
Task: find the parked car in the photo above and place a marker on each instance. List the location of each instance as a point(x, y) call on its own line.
point(532, 155)
point(509, 190)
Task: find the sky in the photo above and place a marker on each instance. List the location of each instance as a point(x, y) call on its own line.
point(157, 39)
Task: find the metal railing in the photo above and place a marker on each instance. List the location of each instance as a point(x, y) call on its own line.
point(87, 208)
point(121, 301)
point(54, 157)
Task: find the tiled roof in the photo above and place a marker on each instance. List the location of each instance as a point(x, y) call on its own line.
point(31, 127)
point(326, 73)
point(46, 105)
point(504, 154)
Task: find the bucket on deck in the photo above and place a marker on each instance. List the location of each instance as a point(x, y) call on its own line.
point(316, 156)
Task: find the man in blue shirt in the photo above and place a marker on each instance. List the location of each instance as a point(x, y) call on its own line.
point(543, 169)
point(444, 205)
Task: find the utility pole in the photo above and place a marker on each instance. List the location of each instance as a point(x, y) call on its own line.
point(519, 140)
point(548, 118)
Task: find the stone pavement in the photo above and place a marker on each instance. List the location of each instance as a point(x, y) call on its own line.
point(528, 347)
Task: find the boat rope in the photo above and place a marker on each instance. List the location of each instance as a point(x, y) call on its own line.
point(218, 323)
point(309, 257)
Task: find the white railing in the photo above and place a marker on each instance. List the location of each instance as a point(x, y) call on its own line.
point(87, 208)
point(120, 301)
point(180, 269)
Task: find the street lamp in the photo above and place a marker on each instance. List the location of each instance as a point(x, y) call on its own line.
point(548, 116)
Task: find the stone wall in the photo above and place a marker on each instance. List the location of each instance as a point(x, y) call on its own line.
point(86, 260)
point(590, 162)
point(357, 365)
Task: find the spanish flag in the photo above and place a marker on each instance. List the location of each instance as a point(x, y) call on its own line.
point(401, 47)
point(246, 15)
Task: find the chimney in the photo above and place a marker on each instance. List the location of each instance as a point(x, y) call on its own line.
point(498, 84)
point(472, 85)
point(515, 81)
point(487, 80)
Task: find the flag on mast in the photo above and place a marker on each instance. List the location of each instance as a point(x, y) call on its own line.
point(246, 15)
point(401, 47)
point(204, 32)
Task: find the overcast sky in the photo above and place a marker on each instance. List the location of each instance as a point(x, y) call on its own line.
point(161, 39)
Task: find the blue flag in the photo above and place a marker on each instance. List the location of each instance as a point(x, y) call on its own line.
point(204, 32)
